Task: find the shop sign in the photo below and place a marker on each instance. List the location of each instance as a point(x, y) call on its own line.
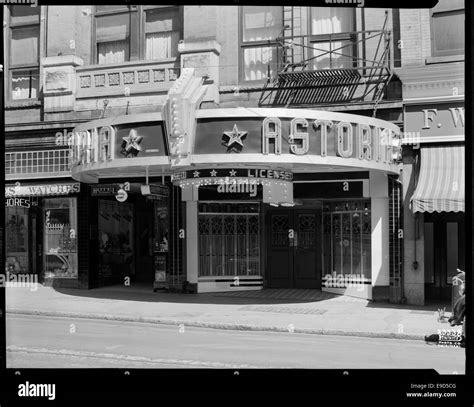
point(18, 202)
point(443, 122)
point(121, 195)
point(108, 189)
point(42, 190)
point(161, 191)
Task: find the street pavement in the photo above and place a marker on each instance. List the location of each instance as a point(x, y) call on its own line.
point(293, 311)
point(56, 342)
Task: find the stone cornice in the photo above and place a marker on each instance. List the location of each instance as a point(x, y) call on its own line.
point(432, 81)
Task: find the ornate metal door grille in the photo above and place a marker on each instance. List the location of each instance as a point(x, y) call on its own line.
point(229, 243)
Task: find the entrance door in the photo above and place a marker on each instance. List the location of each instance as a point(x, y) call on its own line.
point(293, 248)
point(144, 242)
point(444, 253)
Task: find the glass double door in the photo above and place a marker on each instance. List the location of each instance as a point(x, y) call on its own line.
point(293, 248)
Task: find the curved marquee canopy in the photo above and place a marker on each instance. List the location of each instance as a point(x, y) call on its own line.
point(297, 140)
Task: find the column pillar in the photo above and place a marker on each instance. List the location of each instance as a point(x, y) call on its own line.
point(413, 237)
point(59, 82)
point(380, 270)
point(190, 196)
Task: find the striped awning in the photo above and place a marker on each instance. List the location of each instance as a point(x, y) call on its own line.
point(440, 186)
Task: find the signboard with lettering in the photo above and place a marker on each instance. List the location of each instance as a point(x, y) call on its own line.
point(233, 173)
point(156, 190)
point(108, 189)
point(128, 140)
point(357, 137)
point(42, 190)
point(18, 202)
point(432, 123)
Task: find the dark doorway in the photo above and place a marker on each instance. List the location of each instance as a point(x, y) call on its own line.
point(144, 241)
point(294, 248)
point(444, 238)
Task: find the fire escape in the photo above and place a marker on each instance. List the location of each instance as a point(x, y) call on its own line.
point(309, 75)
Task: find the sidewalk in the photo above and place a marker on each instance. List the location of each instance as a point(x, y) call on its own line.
point(304, 311)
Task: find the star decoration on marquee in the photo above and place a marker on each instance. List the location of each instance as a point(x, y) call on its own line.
point(232, 173)
point(131, 144)
point(196, 174)
point(235, 139)
point(213, 173)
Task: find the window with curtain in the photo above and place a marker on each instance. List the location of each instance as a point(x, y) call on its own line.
point(261, 25)
point(113, 38)
point(118, 28)
point(330, 39)
point(24, 52)
point(162, 33)
point(447, 28)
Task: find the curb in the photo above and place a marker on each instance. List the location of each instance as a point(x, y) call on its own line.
point(235, 327)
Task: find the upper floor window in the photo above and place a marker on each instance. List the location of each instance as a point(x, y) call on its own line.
point(113, 37)
point(125, 33)
point(331, 43)
point(447, 28)
point(261, 25)
point(162, 33)
point(23, 60)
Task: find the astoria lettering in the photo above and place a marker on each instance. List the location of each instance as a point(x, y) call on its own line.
point(353, 140)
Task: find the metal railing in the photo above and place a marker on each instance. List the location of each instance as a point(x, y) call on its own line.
point(299, 51)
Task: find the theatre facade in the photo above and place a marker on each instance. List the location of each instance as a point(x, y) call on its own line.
point(232, 199)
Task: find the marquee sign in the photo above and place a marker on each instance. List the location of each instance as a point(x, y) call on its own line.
point(356, 137)
point(218, 173)
point(109, 142)
point(277, 184)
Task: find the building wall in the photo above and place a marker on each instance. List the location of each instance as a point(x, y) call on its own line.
point(227, 36)
point(415, 36)
point(425, 83)
point(69, 31)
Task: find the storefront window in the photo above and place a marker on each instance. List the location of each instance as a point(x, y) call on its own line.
point(60, 238)
point(16, 223)
point(347, 235)
point(229, 239)
point(115, 240)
